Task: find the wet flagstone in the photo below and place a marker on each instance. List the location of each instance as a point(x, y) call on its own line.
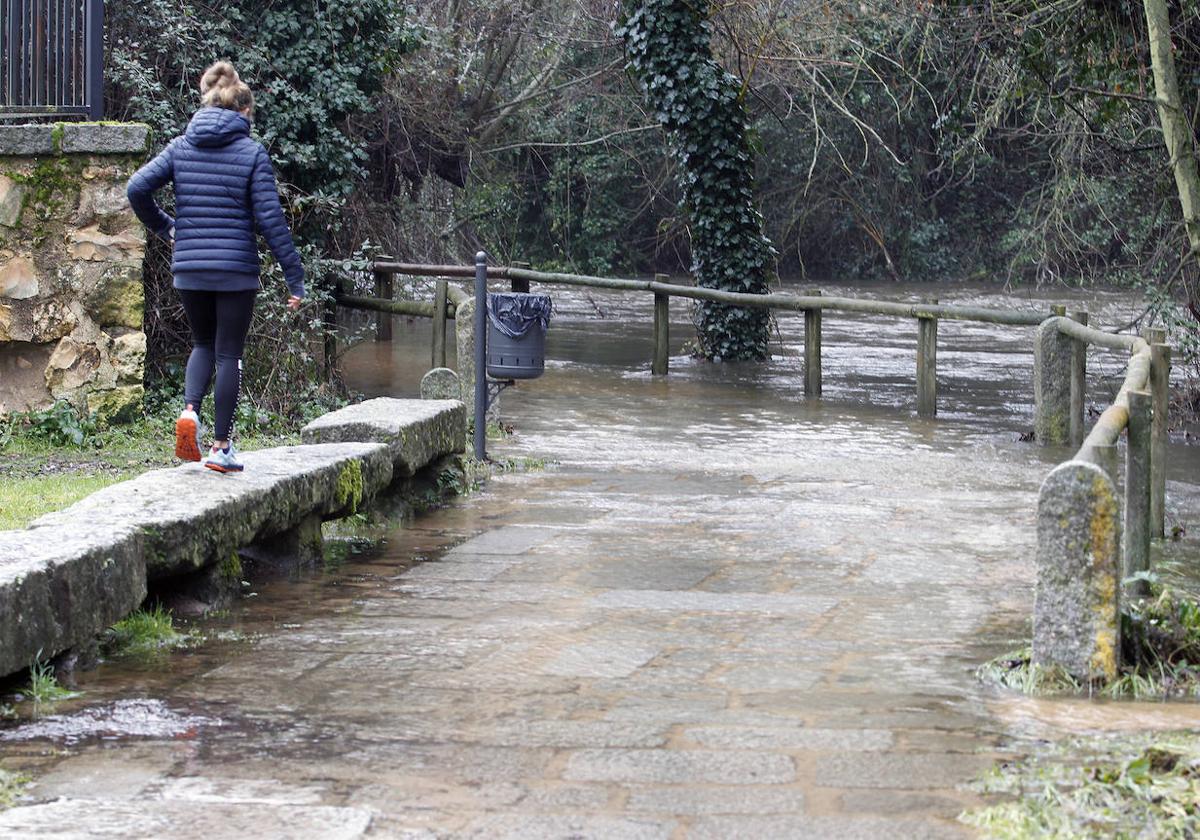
point(724, 612)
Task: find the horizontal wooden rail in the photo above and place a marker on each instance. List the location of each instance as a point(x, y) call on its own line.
point(1112, 422)
point(396, 307)
point(796, 303)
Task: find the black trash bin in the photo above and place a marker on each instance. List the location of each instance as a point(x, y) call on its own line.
point(516, 339)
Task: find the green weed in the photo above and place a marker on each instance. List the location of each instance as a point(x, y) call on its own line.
point(1149, 787)
point(11, 785)
point(43, 685)
point(143, 632)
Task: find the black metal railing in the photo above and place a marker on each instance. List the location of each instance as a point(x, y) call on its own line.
point(51, 58)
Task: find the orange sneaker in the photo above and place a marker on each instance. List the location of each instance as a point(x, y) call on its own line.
point(187, 437)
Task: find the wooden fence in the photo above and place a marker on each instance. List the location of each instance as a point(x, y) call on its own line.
point(1060, 368)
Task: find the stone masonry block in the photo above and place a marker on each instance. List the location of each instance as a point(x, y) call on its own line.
point(105, 138)
point(26, 139)
point(61, 585)
point(417, 432)
point(1077, 617)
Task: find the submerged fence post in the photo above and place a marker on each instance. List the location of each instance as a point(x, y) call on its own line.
point(481, 356)
point(662, 334)
point(1137, 493)
point(1078, 381)
point(812, 349)
point(439, 323)
point(1052, 356)
point(1076, 616)
point(927, 327)
point(1160, 383)
point(384, 288)
point(520, 286)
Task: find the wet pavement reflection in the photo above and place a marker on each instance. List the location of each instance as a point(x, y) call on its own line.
point(716, 610)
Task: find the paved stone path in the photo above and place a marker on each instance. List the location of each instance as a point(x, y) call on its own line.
point(718, 615)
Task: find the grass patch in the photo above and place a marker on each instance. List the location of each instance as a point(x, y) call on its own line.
point(23, 500)
point(11, 786)
point(53, 458)
point(43, 686)
point(1146, 786)
point(143, 632)
point(1160, 655)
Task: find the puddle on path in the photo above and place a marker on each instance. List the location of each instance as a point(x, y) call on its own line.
point(722, 611)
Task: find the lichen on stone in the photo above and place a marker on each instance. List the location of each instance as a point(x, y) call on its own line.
point(230, 569)
point(349, 491)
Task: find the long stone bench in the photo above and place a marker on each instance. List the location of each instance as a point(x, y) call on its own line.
point(75, 572)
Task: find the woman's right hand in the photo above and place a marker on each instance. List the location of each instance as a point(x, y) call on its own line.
point(293, 303)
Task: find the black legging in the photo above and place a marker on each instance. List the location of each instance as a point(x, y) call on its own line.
point(219, 322)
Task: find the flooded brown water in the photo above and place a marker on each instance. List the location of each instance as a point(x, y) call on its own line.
point(719, 610)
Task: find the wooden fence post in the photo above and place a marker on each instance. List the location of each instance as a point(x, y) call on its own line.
point(1137, 493)
point(662, 335)
point(439, 323)
point(384, 288)
point(1078, 382)
point(927, 364)
point(812, 349)
point(520, 285)
point(1160, 383)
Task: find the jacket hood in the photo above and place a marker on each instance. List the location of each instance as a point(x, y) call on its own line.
point(216, 127)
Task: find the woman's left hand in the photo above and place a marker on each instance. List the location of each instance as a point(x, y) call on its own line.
point(293, 303)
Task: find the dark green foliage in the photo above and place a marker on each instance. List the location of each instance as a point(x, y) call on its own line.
point(59, 425)
point(699, 104)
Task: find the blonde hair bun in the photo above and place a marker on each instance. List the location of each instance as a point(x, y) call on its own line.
point(222, 87)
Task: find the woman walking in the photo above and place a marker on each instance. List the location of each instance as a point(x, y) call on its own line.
point(224, 191)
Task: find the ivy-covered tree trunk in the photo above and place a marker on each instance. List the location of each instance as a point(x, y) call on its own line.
point(667, 44)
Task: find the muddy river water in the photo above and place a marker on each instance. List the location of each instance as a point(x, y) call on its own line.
point(711, 609)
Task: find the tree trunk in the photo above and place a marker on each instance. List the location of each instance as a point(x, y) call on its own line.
point(698, 103)
point(1177, 133)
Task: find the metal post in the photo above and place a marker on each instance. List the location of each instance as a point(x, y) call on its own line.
point(95, 59)
point(812, 349)
point(662, 334)
point(329, 331)
point(927, 364)
point(1078, 382)
point(1160, 383)
point(1137, 492)
point(481, 356)
point(439, 322)
point(384, 288)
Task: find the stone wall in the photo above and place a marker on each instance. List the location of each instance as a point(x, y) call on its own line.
point(71, 251)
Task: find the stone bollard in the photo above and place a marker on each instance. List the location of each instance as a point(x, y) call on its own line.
point(1053, 358)
point(1077, 617)
point(441, 383)
point(464, 336)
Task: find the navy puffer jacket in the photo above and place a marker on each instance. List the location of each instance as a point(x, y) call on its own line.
point(224, 193)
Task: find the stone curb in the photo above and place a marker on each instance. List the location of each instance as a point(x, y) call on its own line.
point(75, 572)
point(74, 138)
point(416, 432)
point(191, 517)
